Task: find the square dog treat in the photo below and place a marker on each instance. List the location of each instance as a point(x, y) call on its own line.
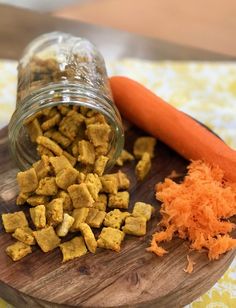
point(135, 225)
point(50, 123)
point(89, 237)
point(100, 165)
point(64, 227)
point(143, 167)
point(47, 187)
point(59, 163)
point(66, 178)
point(102, 149)
point(119, 201)
point(86, 152)
point(18, 251)
point(22, 198)
point(101, 203)
point(123, 180)
point(47, 239)
point(95, 218)
point(34, 130)
point(42, 151)
point(42, 167)
point(54, 212)
point(124, 157)
point(143, 209)
point(144, 145)
point(79, 216)
point(27, 180)
point(38, 216)
point(110, 238)
point(58, 137)
point(94, 184)
point(35, 200)
point(50, 145)
point(67, 203)
point(24, 235)
point(80, 195)
point(98, 133)
point(115, 218)
point(12, 221)
point(109, 183)
point(74, 248)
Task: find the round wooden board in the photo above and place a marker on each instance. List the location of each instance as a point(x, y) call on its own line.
point(132, 277)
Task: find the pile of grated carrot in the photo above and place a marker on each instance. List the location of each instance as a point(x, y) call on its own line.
point(198, 210)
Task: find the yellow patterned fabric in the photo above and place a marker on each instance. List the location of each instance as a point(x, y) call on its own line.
point(206, 91)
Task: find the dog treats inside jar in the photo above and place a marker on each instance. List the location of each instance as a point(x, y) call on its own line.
point(64, 105)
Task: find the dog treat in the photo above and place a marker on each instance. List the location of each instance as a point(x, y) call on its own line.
point(12, 221)
point(109, 183)
point(79, 216)
point(94, 184)
point(73, 249)
point(135, 225)
point(54, 212)
point(64, 227)
point(100, 164)
point(143, 166)
point(47, 187)
point(42, 167)
point(59, 163)
point(18, 251)
point(119, 200)
point(86, 152)
point(38, 216)
point(80, 195)
point(27, 180)
point(115, 218)
point(34, 130)
point(110, 238)
point(95, 218)
point(123, 180)
point(144, 145)
point(101, 203)
point(50, 145)
point(35, 200)
point(88, 236)
point(143, 209)
point(66, 178)
point(22, 198)
point(67, 203)
point(47, 239)
point(24, 235)
point(98, 134)
point(124, 157)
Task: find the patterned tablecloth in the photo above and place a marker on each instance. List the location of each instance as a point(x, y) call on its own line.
point(206, 91)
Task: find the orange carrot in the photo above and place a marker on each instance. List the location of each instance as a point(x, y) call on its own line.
point(186, 136)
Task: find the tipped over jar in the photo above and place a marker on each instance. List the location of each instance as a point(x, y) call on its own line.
point(62, 89)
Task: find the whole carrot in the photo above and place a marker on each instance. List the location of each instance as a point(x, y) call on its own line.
point(173, 127)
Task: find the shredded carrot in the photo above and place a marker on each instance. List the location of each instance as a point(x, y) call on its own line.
point(189, 268)
point(197, 209)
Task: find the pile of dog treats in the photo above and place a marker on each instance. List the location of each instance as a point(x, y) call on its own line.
point(66, 191)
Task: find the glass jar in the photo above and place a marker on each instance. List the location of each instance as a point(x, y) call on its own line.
point(60, 69)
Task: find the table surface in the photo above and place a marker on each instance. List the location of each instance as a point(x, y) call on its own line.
point(19, 26)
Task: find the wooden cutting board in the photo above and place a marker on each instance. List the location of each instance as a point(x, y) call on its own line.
point(131, 278)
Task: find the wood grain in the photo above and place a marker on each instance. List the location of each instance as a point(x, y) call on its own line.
point(131, 278)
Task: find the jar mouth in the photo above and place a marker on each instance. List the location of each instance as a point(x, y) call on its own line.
point(52, 95)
